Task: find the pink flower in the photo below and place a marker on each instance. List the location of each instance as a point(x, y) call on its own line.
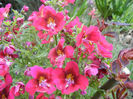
point(91, 35)
point(28, 43)
point(47, 19)
point(4, 12)
point(88, 37)
point(66, 2)
point(69, 80)
point(70, 1)
point(83, 92)
point(7, 81)
point(43, 1)
point(42, 81)
point(71, 25)
point(33, 16)
point(9, 50)
point(46, 37)
point(92, 13)
point(104, 48)
point(58, 54)
point(27, 72)
point(20, 21)
point(91, 69)
point(25, 8)
point(4, 67)
point(18, 89)
point(8, 36)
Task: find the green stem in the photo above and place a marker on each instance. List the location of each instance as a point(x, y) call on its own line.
point(90, 21)
point(56, 39)
point(108, 85)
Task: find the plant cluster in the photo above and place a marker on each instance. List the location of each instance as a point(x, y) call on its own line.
point(54, 56)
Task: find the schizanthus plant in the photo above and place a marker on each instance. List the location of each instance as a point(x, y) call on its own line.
point(76, 55)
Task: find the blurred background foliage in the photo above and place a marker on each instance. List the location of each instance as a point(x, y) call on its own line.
point(18, 4)
point(107, 8)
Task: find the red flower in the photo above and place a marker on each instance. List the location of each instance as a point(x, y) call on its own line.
point(42, 81)
point(58, 54)
point(47, 19)
point(69, 80)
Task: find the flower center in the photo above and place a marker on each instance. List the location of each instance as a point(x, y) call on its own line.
point(69, 80)
point(85, 36)
point(43, 82)
point(51, 20)
point(51, 23)
point(59, 52)
point(41, 79)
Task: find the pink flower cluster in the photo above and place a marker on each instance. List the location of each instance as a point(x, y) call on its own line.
point(72, 43)
point(6, 55)
point(67, 79)
point(4, 12)
point(90, 43)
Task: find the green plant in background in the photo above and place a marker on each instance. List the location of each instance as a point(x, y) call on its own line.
point(126, 17)
point(107, 8)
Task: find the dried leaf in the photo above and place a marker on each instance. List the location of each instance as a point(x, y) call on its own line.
point(111, 34)
point(129, 54)
point(122, 92)
point(124, 96)
point(116, 66)
point(102, 25)
point(124, 76)
point(117, 93)
point(129, 85)
point(113, 94)
point(122, 58)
